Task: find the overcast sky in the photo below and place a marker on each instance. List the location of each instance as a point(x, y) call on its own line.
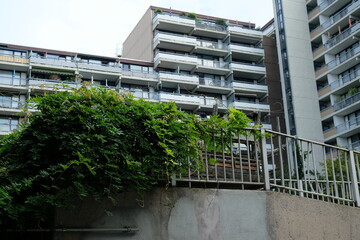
point(98, 26)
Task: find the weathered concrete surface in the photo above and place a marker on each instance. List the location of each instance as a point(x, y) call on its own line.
point(293, 217)
point(213, 214)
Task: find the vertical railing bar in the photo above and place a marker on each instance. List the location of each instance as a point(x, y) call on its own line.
point(223, 153)
point(248, 156)
point(240, 161)
point(348, 179)
point(265, 161)
point(289, 165)
point(273, 158)
point(354, 180)
point(334, 175)
point(215, 160)
point(295, 143)
point(256, 144)
point(326, 172)
point(206, 162)
point(232, 156)
point(189, 171)
point(281, 162)
point(341, 173)
point(305, 167)
point(315, 170)
point(308, 173)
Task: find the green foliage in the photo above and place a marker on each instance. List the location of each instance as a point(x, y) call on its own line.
point(95, 142)
point(158, 11)
point(192, 16)
point(221, 22)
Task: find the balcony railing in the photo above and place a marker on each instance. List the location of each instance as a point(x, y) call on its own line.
point(325, 3)
point(346, 102)
point(13, 58)
point(174, 19)
point(246, 48)
point(9, 102)
point(211, 26)
point(179, 77)
point(214, 82)
point(212, 64)
point(245, 31)
point(249, 86)
point(140, 74)
point(192, 99)
point(251, 106)
point(54, 84)
point(13, 81)
point(247, 67)
point(212, 45)
point(176, 57)
point(335, 40)
point(8, 125)
point(176, 38)
point(336, 17)
point(344, 56)
point(348, 125)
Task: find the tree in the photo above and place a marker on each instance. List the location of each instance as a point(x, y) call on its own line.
point(95, 142)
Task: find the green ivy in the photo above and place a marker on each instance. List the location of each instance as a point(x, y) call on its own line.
point(95, 142)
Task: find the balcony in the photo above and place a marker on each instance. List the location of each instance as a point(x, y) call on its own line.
point(179, 98)
point(211, 48)
point(13, 58)
point(11, 104)
point(8, 125)
point(251, 106)
point(321, 70)
point(313, 12)
point(237, 30)
point(214, 82)
point(326, 111)
point(247, 70)
point(212, 67)
point(351, 124)
point(167, 77)
point(174, 42)
point(346, 33)
point(173, 61)
point(318, 51)
point(345, 79)
point(173, 23)
point(343, 57)
point(48, 84)
point(347, 102)
point(251, 53)
point(12, 81)
point(134, 75)
point(246, 86)
point(210, 29)
point(75, 64)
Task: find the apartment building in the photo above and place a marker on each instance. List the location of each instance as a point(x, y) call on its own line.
point(204, 64)
point(215, 61)
point(320, 38)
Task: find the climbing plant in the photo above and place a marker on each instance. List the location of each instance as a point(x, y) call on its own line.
point(95, 142)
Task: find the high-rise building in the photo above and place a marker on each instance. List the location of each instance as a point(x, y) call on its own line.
point(318, 44)
point(202, 63)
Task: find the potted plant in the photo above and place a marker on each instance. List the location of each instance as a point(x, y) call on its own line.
point(221, 22)
point(192, 16)
point(158, 11)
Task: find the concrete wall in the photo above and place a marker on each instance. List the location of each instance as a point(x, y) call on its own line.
point(138, 45)
point(213, 214)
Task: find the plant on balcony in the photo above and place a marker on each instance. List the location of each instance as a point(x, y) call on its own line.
point(96, 143)
point(353, 91)
point(221, 22)
point(158, 11)
point(192, 16)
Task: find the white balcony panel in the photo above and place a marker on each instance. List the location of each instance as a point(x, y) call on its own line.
point(174, 42)
point(98, 67)
point(250, 87)
point(173, 23)
point(179, 98)
point(175, 38)
point(52, 84)
point(251, 106)
point(179, 78)
point(247, 68)
point(173, 61)
point(52, 62)
point(249, 50)
point(245, 31)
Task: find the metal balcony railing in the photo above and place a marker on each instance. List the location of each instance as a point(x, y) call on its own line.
point(344, 56)
point(210, 26)
point(277, 162)
point(11, 80)
point(348, 125)
point(337, 39)
point(347, 102)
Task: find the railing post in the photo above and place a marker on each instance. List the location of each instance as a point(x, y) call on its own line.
point(265, 161)
point(354, 180)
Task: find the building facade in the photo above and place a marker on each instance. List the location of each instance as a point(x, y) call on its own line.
point(204, 64)
point(320, 38)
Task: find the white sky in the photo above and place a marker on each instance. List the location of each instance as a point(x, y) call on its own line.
point(98, 26)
